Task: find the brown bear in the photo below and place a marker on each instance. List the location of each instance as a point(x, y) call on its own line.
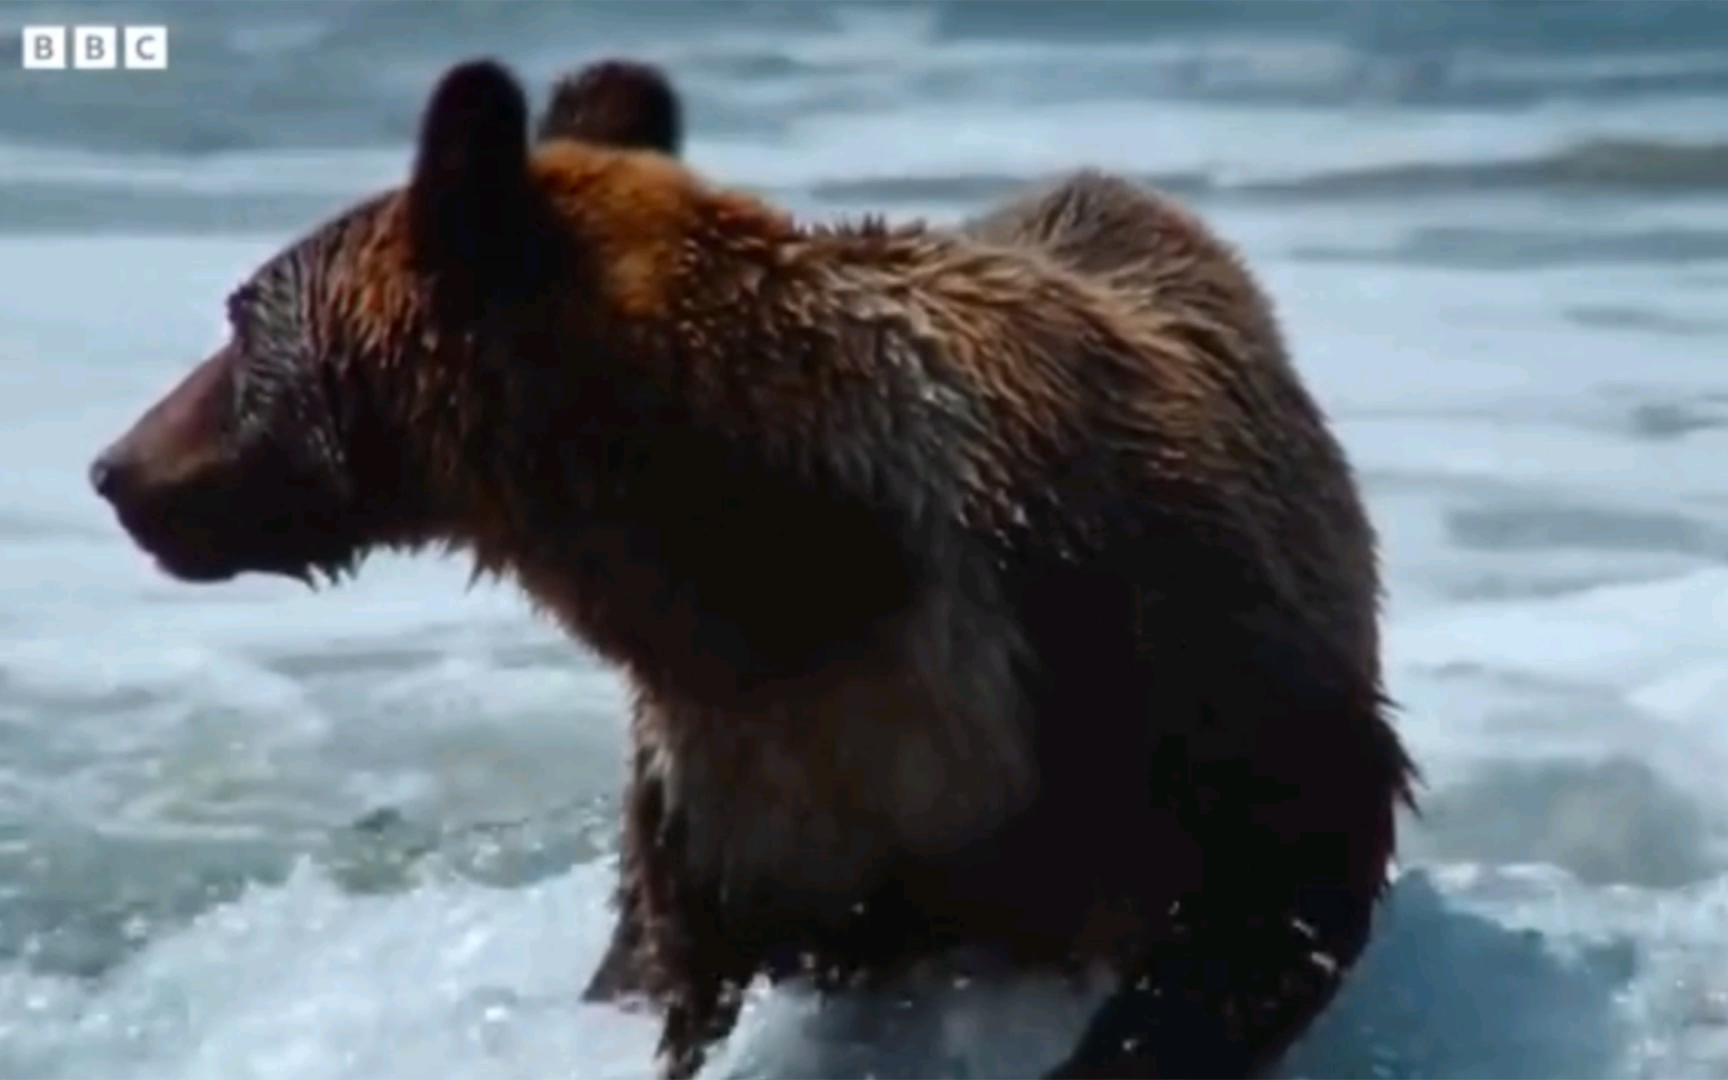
point(968, 600)
point(1092, 222)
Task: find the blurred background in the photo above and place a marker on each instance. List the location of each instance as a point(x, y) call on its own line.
point(248, 831)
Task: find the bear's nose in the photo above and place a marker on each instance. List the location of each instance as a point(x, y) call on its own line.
point(108, 476)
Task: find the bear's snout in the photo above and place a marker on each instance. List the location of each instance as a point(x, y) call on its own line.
point(173, 445)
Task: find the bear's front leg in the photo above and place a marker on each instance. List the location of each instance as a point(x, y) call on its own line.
point(646, 869)
point(700, 1015)
point(623, 970)
point(619, 976)
point(700, 973)
point(670, 936)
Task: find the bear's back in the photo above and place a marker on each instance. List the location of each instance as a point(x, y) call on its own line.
point(1162, 260)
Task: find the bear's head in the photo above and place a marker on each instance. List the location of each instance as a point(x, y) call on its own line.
point(374, 366)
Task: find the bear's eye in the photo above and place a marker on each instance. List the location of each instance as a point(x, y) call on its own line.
point(240, 303)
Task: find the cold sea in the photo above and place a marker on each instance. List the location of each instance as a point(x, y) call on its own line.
point(253, 832)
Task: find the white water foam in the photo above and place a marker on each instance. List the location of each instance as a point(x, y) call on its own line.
point(453, 979)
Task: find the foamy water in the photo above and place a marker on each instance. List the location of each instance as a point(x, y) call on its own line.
point(252, 831)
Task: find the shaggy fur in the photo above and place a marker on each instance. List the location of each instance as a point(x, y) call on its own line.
point(970, 597)
point(1139, 241)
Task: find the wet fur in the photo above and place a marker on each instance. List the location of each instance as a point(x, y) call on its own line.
point(1142, 243)
point(864, 515)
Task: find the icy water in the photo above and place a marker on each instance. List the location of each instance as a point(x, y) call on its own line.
point(248, 831)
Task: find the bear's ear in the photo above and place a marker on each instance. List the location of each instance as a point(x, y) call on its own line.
point(470, 198)
point(619, 103)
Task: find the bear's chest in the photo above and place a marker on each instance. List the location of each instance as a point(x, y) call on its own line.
point(820, 793)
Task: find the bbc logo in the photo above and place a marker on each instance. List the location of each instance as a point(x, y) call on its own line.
point(95, 48)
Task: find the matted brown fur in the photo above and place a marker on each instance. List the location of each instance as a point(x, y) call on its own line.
point(1149, 246)
point(1139, 241)
point(969, 598)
